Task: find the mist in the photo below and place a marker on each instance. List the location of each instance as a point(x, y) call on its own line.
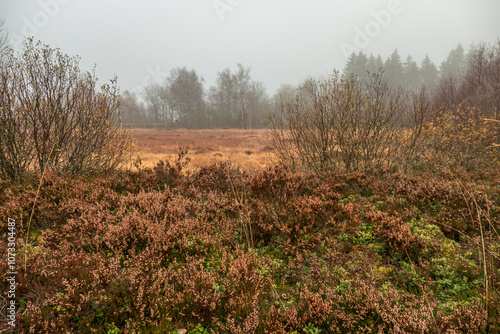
point(282, 42)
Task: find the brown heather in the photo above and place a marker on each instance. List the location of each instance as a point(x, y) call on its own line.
point(217, 250)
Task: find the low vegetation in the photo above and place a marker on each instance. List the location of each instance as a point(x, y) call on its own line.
point(154, 250)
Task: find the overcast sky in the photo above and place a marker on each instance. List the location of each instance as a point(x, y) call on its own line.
point(283, 41)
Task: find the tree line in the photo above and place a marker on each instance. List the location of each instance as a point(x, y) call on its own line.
point(181, 100)
point(238, 101)
point(408, 74)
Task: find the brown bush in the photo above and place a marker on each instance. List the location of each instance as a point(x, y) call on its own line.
point(335, 253)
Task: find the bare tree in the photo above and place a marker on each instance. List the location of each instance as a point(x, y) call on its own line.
point(223, 98)
point(258, 105)
point(481, 86)
point(493, 79)
point(158, 103)
point(186, 94)
point(464, 127)
point(285, 92)
point(131, 109)
point(475, 85)
point(238, 100)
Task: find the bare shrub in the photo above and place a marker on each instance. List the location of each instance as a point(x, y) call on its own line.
point(479, 84)
point(482, 79)
point(52, 112)
point(348, 124)
point(464, 129)
point(4, 41)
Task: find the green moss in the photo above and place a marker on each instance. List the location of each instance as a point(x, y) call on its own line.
point(348, 199)
point(456, 279)
point(383, 272)
point(376, 247)
point(425, 230)
point(448, 247)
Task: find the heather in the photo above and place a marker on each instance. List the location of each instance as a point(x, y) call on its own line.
point(219, 250)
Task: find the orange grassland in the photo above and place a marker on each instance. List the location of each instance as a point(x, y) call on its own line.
point(248, 149)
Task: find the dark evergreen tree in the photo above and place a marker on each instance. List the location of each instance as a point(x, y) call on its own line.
point(412, 79)
point(357, 64)
point(361, 64)
point(429, 73)
point(373, 66)
point(454, 64)
point(379, 63)
point(393, 70)
point(350, 66)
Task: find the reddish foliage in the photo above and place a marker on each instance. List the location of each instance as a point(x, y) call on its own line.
point(156, 250)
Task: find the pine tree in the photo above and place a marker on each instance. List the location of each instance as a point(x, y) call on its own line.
point(375, 65)
point(361, 64)
point(379, 64)
point(394, 70)
point(411, 72)
point(454, 64)
point(350, 66)
point(429, 72)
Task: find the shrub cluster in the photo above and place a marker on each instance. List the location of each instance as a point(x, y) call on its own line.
point(462, 137)
point(349, 124)
point(220, 251)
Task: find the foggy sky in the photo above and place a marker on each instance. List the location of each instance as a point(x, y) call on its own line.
point(283, 41)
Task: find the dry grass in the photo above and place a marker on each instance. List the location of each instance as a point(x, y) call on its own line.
point(248, 149)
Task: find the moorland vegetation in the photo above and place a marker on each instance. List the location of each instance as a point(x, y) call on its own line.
point(382, 214)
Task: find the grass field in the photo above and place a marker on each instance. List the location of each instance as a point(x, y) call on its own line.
point(248, 149)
